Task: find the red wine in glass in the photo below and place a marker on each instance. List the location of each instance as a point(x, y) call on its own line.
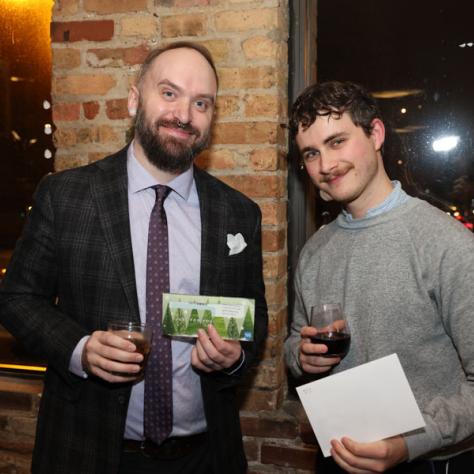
point(333, 329)
point(337, 343)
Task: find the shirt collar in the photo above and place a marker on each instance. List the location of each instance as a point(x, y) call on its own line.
point(393, 200)
point(139, 178)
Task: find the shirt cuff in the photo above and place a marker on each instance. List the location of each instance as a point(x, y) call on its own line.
point(237, 366)
point(75, 364)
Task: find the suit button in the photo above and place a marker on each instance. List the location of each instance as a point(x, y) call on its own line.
point(121, 399)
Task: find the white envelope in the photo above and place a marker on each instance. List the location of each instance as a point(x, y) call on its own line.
point(367, 403)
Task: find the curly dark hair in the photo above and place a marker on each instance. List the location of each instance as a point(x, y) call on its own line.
point(334, 98)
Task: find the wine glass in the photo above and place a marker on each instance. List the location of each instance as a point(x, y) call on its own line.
point(333, 329)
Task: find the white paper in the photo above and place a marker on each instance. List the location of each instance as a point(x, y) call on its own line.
point(367, 403)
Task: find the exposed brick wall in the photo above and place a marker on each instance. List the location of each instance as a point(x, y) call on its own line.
point(97, 48)
point(19, 400)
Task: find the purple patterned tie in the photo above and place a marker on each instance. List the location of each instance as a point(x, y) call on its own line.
point(158, 411)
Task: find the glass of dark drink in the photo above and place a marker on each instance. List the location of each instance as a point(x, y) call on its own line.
point(333, 329)
point(139, 334)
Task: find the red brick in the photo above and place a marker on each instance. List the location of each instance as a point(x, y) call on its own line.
point(277, 322)
point(265, 159)
point(80, 84)
point(64, 137)
point(15, 463)
point(115, 6)
point(117, 57)
point(274, 265)
point(257, 186)
point(276, 427)
point(66, 58)
point(116, 109)
point(66, 111)
point(253, 400)
point(16, 444)
point(184, 25)
point(70, 31)
point(273, 240)
point(276, 292)
point(251, 449)
point(273, 213)
point(262, 77)
point(287, 456)
point(227, 105)
point(15, 401)
point(65, 7)
point(189, 3)
point(273, 347)
point(245, 133)
point(216, 159)
point(268, 375)
point(23, 425)
point(91, 109)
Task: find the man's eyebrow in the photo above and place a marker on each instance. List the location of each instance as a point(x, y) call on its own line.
point(167, 82)
point(333, 136)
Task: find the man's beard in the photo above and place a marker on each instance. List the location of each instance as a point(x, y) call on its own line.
point(168, 154)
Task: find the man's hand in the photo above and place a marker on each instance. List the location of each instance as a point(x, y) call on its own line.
point(368, 458)
point(311, 360)
point(212, 353)
point(105, 354)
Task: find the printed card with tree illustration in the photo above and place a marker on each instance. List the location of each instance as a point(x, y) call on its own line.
point(233, 318)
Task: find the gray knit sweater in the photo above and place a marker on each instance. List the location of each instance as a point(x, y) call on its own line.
point(406, 282)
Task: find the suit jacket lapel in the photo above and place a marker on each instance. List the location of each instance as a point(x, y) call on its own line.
point(213, 233)
point(109, 191)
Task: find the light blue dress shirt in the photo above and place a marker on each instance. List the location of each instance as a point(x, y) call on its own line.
point(184, 231)
point(396, 198)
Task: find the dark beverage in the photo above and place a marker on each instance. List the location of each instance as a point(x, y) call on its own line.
point(337, 343)
point(143, 347)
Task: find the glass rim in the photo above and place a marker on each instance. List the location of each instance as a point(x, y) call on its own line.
point(124, 324)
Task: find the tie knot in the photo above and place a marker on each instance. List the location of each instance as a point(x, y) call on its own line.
point(162, 192)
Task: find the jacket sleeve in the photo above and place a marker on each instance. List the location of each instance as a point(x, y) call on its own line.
point(28, 294)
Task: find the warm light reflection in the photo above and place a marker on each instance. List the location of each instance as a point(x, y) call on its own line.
point(26, 19)
point(396, 94)
point(34, 368)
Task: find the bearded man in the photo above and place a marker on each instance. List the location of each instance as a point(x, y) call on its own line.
point(84, 260)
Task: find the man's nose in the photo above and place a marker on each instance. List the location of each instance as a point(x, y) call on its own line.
point(327, 163)
point(183, 111)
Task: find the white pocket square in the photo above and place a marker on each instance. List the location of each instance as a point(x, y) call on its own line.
point(236, 243)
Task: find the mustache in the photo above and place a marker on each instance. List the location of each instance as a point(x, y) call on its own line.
point(340, 171)
point(187, 127)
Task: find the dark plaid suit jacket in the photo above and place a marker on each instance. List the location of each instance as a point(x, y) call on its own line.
point(72, 271)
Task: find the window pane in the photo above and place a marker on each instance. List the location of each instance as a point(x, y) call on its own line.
point(25, 131)
point(25, 111)
point(418, 59)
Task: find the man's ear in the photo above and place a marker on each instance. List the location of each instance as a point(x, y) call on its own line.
point(378, 133)
point(133, 99)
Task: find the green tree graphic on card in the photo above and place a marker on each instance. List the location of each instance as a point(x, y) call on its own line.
point(194, 323)
point(168, 327)
point(247, 327)
point(179, 322)
point(232, 329)
point(206, 318)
